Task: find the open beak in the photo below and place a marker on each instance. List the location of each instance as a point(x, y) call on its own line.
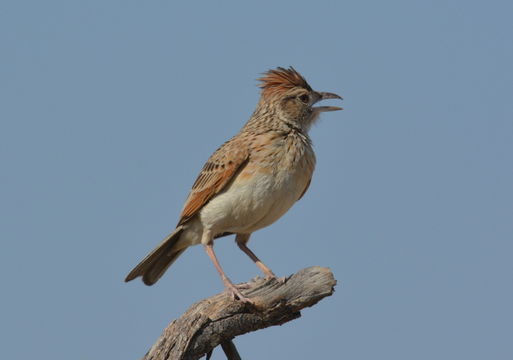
point(325, 96)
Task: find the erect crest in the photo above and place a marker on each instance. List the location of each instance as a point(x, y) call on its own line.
point(280, 79)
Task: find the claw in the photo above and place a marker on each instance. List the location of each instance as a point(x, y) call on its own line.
point(237, 295)
point(242, 286)
point(281, 280)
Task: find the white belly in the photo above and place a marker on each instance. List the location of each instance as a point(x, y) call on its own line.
point(251, 204)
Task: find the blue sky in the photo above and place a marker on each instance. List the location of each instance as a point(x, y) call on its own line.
point(110, 108)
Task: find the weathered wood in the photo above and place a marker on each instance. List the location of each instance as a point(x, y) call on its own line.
point(218, 319)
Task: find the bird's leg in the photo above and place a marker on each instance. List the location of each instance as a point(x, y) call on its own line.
point(241, 240)
point(209, 248)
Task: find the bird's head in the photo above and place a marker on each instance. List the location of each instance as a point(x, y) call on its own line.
point(292, 97)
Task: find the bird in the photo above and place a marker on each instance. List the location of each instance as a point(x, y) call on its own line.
point(251, 180)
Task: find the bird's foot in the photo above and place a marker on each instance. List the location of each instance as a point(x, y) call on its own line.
point(281, 279)
point(242, 286)
point(236, 294)
point(271, 276)
point(234, 290)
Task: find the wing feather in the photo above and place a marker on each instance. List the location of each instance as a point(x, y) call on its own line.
point(218, 171)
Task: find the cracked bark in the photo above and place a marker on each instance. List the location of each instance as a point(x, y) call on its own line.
point(217, 320)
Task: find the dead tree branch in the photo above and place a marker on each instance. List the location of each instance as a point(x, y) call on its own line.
point(217, 320)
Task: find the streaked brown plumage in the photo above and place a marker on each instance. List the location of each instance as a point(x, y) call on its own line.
point(251, 180)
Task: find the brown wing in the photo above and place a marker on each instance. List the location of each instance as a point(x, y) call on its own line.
point(215, 175)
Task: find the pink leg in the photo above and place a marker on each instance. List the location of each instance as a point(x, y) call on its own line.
point(241, 240)
point(209, 248)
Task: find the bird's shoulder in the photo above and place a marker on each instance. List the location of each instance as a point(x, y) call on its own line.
point(217, 172)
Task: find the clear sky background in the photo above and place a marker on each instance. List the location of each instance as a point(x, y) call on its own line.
point(110, 108)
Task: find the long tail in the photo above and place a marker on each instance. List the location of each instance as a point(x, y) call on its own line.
point(155, 264)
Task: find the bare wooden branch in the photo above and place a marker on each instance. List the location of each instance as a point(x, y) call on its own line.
point(230, 350)
point(218, 319)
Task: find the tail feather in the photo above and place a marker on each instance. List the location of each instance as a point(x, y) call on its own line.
point(159, 267)
point(153, 266)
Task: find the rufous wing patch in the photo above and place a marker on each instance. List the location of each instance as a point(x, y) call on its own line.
point(215, 175)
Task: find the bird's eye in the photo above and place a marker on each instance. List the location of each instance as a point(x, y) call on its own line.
point(304, 98)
